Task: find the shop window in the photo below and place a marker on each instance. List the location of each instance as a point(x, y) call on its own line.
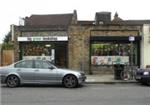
point(36, 49)
point(110, 53)
point(107, 49)
point(55, 52)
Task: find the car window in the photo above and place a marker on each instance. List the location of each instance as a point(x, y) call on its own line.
point(38, 64)
point(51, 64)
point(24, 64)
point(42, 64)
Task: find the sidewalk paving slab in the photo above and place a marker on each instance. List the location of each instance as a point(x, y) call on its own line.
point(105, 79)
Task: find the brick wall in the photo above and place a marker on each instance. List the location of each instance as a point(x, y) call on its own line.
point(79, 43)
point(79, 40)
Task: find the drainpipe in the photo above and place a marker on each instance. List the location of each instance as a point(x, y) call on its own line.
point(12, 39)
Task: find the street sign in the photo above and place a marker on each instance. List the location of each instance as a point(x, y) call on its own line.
point(131, 38)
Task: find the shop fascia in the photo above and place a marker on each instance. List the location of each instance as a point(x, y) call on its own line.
point(44, 38)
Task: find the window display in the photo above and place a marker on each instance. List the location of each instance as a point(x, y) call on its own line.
point(110, 53)
point(38, 51)
point(105, 49)
point(45, 50)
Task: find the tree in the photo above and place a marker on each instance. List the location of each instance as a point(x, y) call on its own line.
point(7, 38)
point(7, 44)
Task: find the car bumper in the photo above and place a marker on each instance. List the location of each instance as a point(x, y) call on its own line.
point(2, 78)
point(81, 79)
point(143, 78)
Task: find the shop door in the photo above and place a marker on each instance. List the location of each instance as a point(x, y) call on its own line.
point(61, 55)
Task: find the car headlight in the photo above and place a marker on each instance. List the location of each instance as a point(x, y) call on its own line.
point(146, 73)
point(82, 74)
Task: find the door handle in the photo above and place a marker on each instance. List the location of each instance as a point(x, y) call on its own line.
point(18, 69)
point(36, 70)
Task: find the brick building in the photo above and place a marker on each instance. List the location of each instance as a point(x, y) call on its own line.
point(92, 46)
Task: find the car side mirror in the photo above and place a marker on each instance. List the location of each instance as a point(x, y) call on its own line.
point(51, 67)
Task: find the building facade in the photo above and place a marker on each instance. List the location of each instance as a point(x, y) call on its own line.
point(91, 46)
point(44, 37)
point(145, 46)
point(97, 46)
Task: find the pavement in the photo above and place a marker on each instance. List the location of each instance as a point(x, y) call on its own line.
point(106, 79)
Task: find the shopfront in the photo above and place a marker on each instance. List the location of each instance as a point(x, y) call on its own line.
point(89, 46)
point(53, 48)
point(110, 50)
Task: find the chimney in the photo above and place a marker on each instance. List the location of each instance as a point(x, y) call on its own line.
point(21, 21)
point(74, 18)
point(102, 18)
point(12, 32)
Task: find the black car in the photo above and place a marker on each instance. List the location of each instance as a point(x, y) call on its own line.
point(143, 76)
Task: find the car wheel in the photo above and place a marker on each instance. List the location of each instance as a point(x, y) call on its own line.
point(12, 81)
point(70, 81)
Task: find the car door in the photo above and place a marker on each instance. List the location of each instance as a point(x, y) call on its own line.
point(25, 70)
point(45, 72)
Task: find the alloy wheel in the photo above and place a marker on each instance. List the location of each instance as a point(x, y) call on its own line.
point(12, 81)
point(70, 81)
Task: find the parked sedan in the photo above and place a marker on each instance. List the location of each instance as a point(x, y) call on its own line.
point(143, 76)
point(39, 72)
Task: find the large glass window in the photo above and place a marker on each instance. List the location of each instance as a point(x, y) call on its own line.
point(109, 53)
point(56, 52)
point(107, 49)
point(37, 49)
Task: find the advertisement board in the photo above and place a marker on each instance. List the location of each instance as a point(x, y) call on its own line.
point(109, 60)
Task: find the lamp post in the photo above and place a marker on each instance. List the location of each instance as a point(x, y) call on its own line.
point(131, 39)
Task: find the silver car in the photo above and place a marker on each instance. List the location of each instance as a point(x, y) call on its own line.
point(39, 72)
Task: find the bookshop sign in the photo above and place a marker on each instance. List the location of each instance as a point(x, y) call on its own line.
point(45, 38)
